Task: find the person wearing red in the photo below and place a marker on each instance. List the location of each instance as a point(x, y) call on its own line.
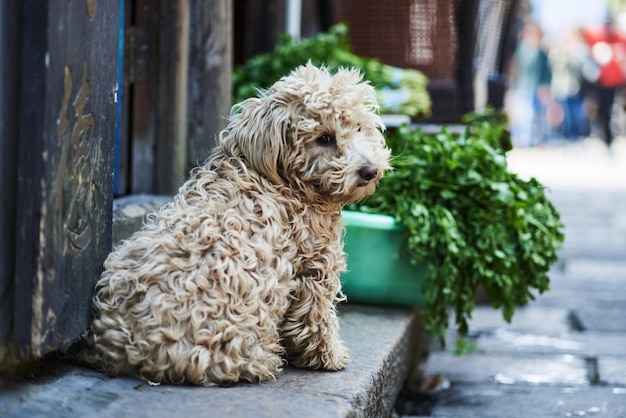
point(607, 46)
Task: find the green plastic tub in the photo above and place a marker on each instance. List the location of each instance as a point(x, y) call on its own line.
point(378, 271)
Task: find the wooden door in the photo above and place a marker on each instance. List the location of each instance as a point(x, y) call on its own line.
point(67, 125)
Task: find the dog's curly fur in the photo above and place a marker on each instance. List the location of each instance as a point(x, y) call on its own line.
point(241, 270)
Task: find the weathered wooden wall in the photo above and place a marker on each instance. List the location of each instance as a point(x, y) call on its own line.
point(209, 82)
point(180, 70)
point(171, 111)
point(10, 42)
point(65, 166)
point(60, 85)
point(141, 72)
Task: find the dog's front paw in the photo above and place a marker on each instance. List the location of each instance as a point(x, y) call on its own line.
point(334, 356)
point(337, 358)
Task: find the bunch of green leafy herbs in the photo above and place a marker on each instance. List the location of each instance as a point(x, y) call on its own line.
point(474, 223)
point(399, 91)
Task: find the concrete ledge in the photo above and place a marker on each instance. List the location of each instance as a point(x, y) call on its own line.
point(129, 213)
point(384, 344)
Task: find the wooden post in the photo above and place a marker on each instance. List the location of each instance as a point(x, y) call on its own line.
point(10, 44)
point(210, 67)
point(180, 63)
point(466, 12)
point(142, 58)
point(171, 126)
point(65, 182)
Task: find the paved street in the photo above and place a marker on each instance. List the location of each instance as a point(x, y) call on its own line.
point(565, 354)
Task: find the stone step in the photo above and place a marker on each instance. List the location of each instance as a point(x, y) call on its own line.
point(384, 345)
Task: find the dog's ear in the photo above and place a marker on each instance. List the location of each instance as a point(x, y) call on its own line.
point(259, 128)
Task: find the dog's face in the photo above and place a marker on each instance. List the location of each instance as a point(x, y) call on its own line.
point(317, 132)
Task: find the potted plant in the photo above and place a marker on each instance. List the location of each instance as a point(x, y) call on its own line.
point(399, 91)
point(464, 221)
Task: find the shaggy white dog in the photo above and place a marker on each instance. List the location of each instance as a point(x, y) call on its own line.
point(241, 271)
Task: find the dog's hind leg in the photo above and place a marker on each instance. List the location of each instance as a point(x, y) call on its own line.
point(220, 352)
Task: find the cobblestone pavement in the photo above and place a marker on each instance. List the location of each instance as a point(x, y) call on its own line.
point(563, 355)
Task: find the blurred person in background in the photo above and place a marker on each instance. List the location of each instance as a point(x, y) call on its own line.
point(530, 86)
point(607, 46)
point(570, 63)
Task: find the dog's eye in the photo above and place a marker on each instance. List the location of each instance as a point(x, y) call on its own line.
point(358, 128)
point(326, 140)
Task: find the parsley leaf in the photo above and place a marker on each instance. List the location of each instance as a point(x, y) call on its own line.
point(472, 221)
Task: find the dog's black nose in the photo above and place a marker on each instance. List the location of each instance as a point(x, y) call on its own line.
point(369, 172)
